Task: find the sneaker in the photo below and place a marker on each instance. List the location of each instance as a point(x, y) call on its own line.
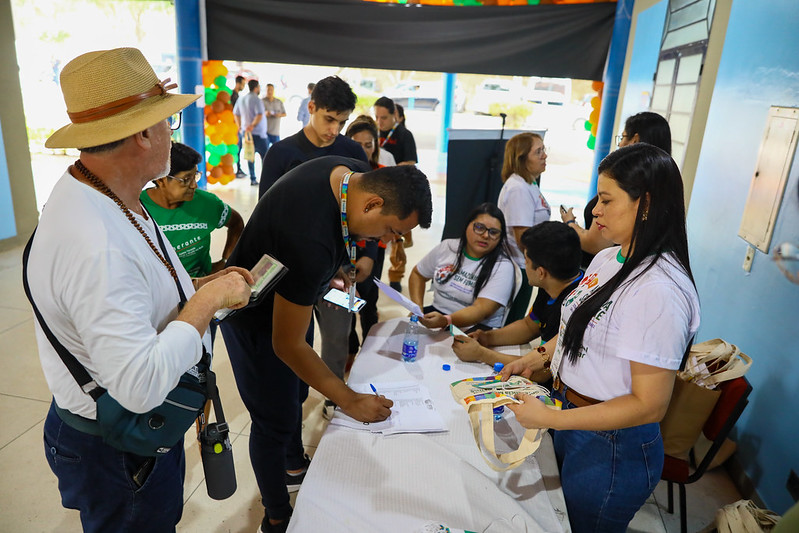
point(328, 409)
point(294, 481)
point(396, 285)
point(266, 527)
point(253, 182)
point(241, 174)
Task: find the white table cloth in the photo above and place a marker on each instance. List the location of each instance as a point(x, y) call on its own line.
point(365, 482)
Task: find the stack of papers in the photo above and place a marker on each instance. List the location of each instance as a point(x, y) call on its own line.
point(413, 410)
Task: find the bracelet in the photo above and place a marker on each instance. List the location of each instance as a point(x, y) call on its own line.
point(571, 221)
point(449, 320)
point(543, 351)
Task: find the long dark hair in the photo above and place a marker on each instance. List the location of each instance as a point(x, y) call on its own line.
point(366, 123)
point(651, 129)
point(488, 261)
point(647, 173)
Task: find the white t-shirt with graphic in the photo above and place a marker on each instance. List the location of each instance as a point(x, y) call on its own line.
point(458, 292)
point(523, 206)
point(649, 320)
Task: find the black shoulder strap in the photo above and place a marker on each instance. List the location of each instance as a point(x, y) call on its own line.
point(87, 384)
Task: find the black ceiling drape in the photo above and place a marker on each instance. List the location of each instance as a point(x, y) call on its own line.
point(569, 41)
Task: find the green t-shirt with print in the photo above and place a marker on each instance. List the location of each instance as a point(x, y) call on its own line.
point(188, 228)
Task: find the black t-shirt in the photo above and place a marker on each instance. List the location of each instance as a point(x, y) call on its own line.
point(589, 219)
point(296, 149)
point(299, 223)
point(546, 311)
point(401, 144)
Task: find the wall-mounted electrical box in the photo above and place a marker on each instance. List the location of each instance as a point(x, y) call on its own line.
point(771, 174)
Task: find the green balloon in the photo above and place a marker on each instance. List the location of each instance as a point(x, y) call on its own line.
point(219, 150)
point(235, 157)
point(587, 125)
point(591, 144)
point(233, 148)
point(213, 160)
point(209, 147)
point(226, 89)
point(220, 81)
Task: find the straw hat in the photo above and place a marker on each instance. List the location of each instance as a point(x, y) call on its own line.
point(110, 95)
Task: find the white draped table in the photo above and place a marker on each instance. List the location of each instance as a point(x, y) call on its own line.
point(367, 482)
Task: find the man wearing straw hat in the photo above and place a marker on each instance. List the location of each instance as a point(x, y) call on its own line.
point(105, 287)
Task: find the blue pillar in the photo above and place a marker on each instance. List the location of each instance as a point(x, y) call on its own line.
point(190, 59)
point(446, 112)
point(612, 80)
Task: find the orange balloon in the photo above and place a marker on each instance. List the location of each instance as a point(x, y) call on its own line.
point(594, 128)
point(216, 172)
point(593, 118)
point(227, 169)
point(227, 178)
point(597, 85)
point(207, 110)
point(215, 138)
point(226, 116)
point(229, 106)
point(596, 102)
point(212, 180)
point(223, 97)
point(212, 118)
point(230, 138)
point(226, 160)
point(218, 106)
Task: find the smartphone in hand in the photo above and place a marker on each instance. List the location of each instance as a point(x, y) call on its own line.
point(342, 299)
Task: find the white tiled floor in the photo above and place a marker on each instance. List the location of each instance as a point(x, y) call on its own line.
point(29, 499)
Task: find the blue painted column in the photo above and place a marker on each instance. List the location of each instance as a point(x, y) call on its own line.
point(614, 67)
point(448, 99)
point(191, 50)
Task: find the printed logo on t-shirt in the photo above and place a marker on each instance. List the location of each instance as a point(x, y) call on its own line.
point(601, 313)
point(462, 281)
point(182, 227)
point(441, 273)
point(583, 289)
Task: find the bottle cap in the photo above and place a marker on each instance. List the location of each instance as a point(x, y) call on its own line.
point(446, 366)
point(498, 367)
point(414, 318)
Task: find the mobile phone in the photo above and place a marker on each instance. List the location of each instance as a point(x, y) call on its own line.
point(562, 209)
point(341, 298)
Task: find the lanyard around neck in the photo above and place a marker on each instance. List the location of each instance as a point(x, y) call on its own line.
point(385, 139)
point(345, 233)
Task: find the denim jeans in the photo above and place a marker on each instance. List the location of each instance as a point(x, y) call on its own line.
point(260, 149)
point(607, 475)
point(271, 139)
point(97, 480)
point(273, 394)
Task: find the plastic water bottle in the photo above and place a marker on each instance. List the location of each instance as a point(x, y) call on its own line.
point(411, 343)
point(498, 410)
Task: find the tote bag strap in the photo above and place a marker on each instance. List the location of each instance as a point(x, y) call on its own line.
point(482, 418)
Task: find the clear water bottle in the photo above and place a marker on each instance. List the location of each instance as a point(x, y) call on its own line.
point(411, 343)
point(498, 410)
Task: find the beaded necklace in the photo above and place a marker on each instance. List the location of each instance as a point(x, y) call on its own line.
point(345, 233)
point(103, 188)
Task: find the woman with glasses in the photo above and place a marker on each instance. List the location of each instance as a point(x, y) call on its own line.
point(522, 203)
point(188, 215)
point(646, 127)
point(473, 277)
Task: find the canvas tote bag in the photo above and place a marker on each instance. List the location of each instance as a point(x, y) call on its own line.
point(480, 396)
point(695, 394)
point(248, 147)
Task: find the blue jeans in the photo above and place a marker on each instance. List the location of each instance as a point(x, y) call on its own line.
point(607, 475)
point(260, 149)
point(97, 480)
point(273, 394)
point(271, 139)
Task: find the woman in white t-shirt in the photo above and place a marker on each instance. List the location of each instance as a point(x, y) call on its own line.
point(521, 201)
point(624, 331)
point(473, 277)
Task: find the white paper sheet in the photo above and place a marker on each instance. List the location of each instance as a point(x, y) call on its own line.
point(413, 410)
point(399, 298)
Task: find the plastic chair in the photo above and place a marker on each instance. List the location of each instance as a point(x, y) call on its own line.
point(731, 403)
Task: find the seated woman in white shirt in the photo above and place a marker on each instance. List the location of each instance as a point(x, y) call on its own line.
point(473, 277)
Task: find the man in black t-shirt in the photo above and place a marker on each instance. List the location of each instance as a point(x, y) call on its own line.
point(332, 102)
point(552, 263)
point(299, 222)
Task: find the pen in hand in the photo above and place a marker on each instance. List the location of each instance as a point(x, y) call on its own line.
point(374, 389)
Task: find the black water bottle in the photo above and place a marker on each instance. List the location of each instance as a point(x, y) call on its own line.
point(217, 457)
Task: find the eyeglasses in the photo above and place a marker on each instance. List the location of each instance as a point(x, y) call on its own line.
point(619, 138)
point(541, 152)
point(186, 182)
point(480, 229)
point(174, 120)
